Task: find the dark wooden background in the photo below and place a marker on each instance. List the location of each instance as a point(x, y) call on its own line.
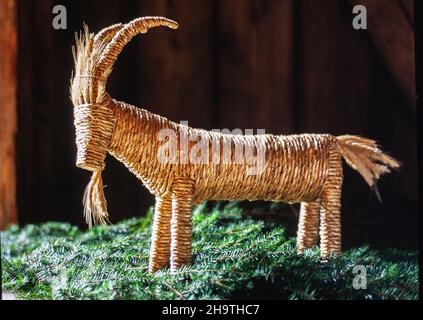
point(287, 66)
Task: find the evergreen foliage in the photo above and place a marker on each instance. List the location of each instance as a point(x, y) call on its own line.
point(234, 257)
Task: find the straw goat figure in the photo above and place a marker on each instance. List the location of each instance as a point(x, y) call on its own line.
point(304, 169)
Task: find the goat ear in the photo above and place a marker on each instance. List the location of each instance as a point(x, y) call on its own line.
point(107, 34)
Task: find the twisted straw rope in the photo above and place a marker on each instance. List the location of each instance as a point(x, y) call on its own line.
point(303, 168)
point(330, 218)
point(308, 225)
point(94, 127)
point(160, 236)
point(181, 223)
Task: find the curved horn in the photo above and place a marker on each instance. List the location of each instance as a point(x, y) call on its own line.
point(107, 34)
point(125, 34)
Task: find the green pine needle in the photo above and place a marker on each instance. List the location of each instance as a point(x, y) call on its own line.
point(234, 257)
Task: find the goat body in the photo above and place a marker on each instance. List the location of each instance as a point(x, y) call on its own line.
point(303, 168)
point(278, 180)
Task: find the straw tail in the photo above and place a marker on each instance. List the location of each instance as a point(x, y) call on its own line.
point(94, 201)
point(364, 155)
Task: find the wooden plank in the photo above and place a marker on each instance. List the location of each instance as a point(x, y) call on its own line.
point(176, 66)
point(255, 65)
point(48, 192)
point(8, 121)
point(391, 30)
point(26, 138)
point(338, 68)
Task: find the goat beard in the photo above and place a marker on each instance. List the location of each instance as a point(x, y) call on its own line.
point(94, 201)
